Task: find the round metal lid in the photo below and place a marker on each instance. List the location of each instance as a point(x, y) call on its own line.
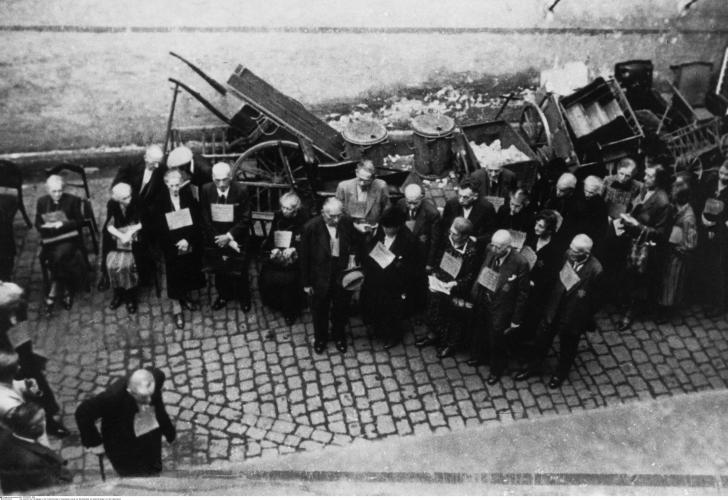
point(431, 125)
point(364, 133)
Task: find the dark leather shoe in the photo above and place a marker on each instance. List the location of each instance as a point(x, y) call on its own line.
point(523, 375)
point(319, 347)
point(290, 319)
point(492, 379)
point(103, 283)
point(48, 304)
point(341, 345)
point(475, 362)
point(220, 303)
point(185, 304)
point(625, 323)
point(245, 305)
point(57, 429)
point(67, 302)
point(555, 382)
point(116, 301)
point(179, 321)
point(446, 352)
point(131, 307)
point(425, 342)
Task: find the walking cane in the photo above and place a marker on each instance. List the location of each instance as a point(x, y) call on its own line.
point(101, 467)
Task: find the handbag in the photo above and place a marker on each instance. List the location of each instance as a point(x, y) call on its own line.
point(640, 252)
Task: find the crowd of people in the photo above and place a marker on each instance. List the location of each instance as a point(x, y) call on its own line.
point(497, 273)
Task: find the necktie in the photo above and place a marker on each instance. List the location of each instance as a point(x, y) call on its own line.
point(222, 199)
point(496, 264)
point(412, 214)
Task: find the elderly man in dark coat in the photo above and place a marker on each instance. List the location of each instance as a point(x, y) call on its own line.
point(133, 421)
point(226, 214)
point(495, 181)
point(26, 464)
point(328, 242)
point(478, 211)
point(570, 307)
point(499, 294)
point(178, 223)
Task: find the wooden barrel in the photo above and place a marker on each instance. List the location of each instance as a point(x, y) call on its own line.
point(365, 139)
point(433, 149)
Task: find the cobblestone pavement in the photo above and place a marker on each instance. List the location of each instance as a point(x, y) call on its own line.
point(245, 386)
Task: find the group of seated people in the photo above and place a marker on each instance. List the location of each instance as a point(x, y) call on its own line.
point(495, 271)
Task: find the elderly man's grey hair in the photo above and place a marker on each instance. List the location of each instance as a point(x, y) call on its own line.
point(566, 181)
point(221, 170)
point(594, 182)
point(120, 190)
point(367, 166)
point(583, 242)
point(413, 191)
point(290, 197)
point(172, 173)
point(332, 203)
point(54, 181)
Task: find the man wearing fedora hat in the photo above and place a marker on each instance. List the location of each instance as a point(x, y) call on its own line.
point(327, 242)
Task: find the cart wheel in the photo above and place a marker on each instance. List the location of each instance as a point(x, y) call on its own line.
point(534, 127)
point(271, 168)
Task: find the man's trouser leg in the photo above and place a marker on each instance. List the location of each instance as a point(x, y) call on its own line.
point(339, 311)
point(545, 334)
point(569, 347)
point(320, 305)
point(479, 333)
point(497, 345)
point(225, 286)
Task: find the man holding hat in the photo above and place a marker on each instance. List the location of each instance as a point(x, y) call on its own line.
point(327, 242)
point(225, 211)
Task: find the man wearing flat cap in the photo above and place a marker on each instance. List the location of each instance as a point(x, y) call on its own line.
point(196, 169)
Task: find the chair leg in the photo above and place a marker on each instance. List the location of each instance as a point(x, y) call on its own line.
point(21, 206)
point(94, 241)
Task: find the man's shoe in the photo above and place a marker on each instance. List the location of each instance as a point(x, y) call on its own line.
point(523, 375)
point(116, 301)
point(425, 342)
point(625, 323)
point(179, 321)
point(131, 307)
point(185, 304)
point(341, 345)
point(67, 302)
point(220, 303)
point(319, 347)
point(555, 382)
point(48, 304)
point(492, 379)
point(57, 429)
point(245, 305)
point(290, 319)
point(446, 352)
point(475, 362)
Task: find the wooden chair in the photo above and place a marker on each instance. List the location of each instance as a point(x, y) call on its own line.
point(89, 219)
point(11, 177)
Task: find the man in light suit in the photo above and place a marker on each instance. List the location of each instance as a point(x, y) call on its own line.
point(364, 197)
point(327, 242)
point(572, 303)
point(226, 232)
point(499, 296)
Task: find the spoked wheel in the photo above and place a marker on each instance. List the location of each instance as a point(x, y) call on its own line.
point(270, 169)
point(534, 127)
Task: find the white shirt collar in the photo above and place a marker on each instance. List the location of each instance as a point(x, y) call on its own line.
point(223, 193)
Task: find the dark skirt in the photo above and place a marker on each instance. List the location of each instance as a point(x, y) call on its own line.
point(280, 287)
point(184, 274)
point(67, 264)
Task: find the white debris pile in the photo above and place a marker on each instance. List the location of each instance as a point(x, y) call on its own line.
point(398, 111)
point(494, 154)
point(399, 162)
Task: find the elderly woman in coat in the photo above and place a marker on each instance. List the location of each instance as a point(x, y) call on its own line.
point(123, 225)
point(58, 218)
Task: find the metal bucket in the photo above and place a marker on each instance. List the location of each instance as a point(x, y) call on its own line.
point(431, 143)
point(365, 139)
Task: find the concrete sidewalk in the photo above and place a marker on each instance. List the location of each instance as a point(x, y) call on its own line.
point(669, 446)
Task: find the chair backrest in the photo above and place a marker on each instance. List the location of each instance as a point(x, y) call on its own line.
point(78, 170)
point(10, 175)
point(693, 81)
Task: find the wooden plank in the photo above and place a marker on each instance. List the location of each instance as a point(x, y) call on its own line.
point(288, 113)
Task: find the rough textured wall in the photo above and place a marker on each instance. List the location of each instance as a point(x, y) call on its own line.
point(78, 75)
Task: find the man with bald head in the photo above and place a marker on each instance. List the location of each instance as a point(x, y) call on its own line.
point(58, 219)
point(499, 296)
point(327, 243)
point(133, 421)
point(226, 213)
point(572, 303)
point(565, 201)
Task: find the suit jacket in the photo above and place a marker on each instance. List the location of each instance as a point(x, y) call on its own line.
point(377, 198)
point(508, 302)
point(115, 407)
point(239, 228)
point(318, 267)
point(133, 174)
point(69, 205)
point(507, 182)
point(168, 238)
point(471, 258)
point(522, 221)
point(426, 228)
point(26, 466)
point(655, 215)
point(482, 216)
point(576, 306)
